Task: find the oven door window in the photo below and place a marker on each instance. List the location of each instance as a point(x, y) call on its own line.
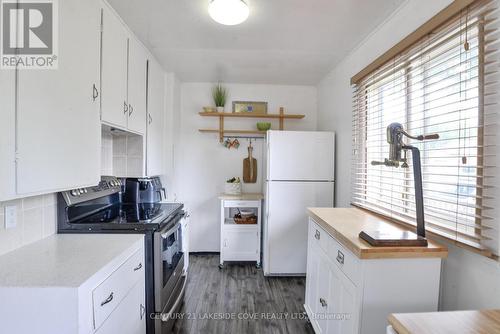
point(171, 253)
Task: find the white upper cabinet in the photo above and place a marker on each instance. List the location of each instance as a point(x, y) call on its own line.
point(7, 134)
point(156, 112)
point(58, 128)
point(137, 78)
point(124, 66)
point(114, 45)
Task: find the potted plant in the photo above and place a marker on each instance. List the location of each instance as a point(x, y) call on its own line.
point(219, 95)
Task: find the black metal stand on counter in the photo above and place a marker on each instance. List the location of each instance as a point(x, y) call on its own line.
point(395, 133)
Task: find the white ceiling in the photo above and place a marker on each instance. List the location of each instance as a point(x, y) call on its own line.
point(282, 42)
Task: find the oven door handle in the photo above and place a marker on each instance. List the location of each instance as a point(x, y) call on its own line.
point(179, 298)
point(164, 235)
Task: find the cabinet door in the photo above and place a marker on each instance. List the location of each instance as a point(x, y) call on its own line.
point(137, 69)
point(343, 304)
point(114, 106)
point(240, 244)
point(156, 111)
point(323, 301)
point(7, 134)
point(348, 306)
point(58, 127)
point(130, 316)
point(313, 263)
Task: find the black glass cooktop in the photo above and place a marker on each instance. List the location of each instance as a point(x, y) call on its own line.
point(120, 213)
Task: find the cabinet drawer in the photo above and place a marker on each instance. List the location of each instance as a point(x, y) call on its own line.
point(345, 260)
point(109, 293)
point(318, 236)
point(241, 204)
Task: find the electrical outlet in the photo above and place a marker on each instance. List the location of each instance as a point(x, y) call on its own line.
point(10, 216)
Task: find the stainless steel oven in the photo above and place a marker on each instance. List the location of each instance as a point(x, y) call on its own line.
point(170, 278)
point(104, 208)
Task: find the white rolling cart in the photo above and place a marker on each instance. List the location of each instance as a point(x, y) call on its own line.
point(240, 242)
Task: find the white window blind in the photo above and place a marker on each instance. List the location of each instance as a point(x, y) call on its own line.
point(447, 83)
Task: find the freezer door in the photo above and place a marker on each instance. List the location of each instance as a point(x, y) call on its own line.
point(285, 250)
point(300, 156)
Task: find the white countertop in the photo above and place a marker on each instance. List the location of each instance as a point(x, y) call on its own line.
point(64, 260)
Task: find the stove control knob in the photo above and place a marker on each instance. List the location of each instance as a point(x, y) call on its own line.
point(85, 190)
point(110, 183)
point(73, 192)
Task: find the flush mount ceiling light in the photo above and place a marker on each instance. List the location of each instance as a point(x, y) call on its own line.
point(228, 12)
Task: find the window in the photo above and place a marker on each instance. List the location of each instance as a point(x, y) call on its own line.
point(446, 83)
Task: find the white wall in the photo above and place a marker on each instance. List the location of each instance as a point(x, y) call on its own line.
point(469, 281)
point(202, 164)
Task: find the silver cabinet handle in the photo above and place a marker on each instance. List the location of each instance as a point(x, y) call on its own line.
point(95, 92)
point(130, 109)
point(317, 235)
point(150, 119)
point(125, 107)
point(323, 302)
point(138, 267)
point(107, 300)
point(340, 257)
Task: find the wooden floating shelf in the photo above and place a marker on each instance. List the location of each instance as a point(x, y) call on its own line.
point(242, 132)
point(250, 115)
point(222, 132)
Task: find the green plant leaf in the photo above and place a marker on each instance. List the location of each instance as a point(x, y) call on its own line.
point(219, 94)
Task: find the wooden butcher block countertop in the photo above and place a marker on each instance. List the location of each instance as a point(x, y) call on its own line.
point(344, 224)
point(242, 197)
point(457, 322)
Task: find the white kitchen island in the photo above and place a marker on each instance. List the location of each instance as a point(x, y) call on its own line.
point(74, 283)
point(352, 287)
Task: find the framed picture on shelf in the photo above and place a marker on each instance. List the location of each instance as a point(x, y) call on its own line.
point(250, 107)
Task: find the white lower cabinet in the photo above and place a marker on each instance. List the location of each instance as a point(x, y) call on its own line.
point(240, 242)
point(110, 293)
point(118, 303)
point(347, 295)
point(129, 315)
point(330, 296)
point(75, 284)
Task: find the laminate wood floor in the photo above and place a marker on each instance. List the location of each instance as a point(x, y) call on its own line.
point(239, 299)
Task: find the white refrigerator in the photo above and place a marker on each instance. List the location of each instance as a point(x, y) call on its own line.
point(300, 174)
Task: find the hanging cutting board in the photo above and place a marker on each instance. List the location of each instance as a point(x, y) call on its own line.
point(250, 167)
